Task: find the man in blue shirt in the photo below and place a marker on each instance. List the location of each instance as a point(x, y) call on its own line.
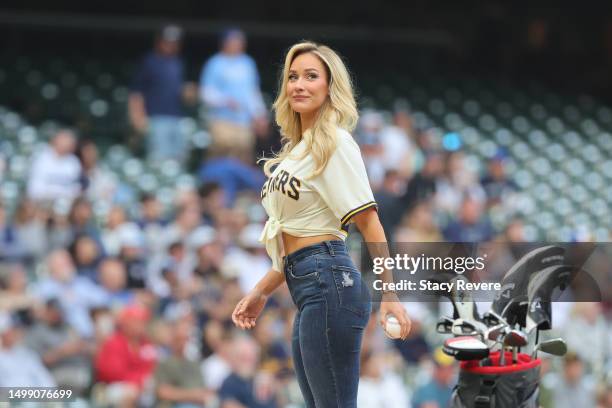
point(229, 88)
point(438, 391)
point(156, 97)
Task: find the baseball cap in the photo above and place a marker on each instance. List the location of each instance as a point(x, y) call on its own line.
point(231, 32)
point(171, 32)
point(134, 312)
point(441, 359)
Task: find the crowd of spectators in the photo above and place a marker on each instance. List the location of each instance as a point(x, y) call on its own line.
point(134, 308)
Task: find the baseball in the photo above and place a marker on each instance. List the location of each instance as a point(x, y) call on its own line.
point(393, 329)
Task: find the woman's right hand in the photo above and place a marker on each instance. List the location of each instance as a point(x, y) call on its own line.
point(248, 309)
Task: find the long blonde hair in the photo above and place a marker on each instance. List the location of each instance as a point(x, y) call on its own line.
point(338, 110)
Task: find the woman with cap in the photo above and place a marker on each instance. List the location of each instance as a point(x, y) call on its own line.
point(316, 186)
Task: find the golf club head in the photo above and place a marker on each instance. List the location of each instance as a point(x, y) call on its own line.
point(556, 347)
point(491, 318)
point(463, 327)
point(539, 291)
point(465, 348)
point(515, 338)
point(463, 303)
point(444, 325)
point(511, 302)
point(494, 333)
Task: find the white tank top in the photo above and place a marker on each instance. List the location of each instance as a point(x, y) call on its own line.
point(321, 205)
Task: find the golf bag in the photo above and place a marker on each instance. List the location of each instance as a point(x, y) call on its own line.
point(495, 386)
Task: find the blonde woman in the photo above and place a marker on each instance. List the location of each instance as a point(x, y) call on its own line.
point(316, 186)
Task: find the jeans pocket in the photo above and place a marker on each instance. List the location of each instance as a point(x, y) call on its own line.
point(352, 295)
point(306, 269)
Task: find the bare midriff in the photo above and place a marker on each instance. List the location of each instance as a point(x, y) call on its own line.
point(292, 243)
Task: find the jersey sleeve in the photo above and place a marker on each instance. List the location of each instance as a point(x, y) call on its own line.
point(344, 184)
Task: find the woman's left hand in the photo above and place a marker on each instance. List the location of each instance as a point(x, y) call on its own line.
point(390, 304)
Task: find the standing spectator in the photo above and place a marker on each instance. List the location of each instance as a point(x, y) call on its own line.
point(438, 391)
point(179, 382)
point(155, 102)
point(126, 360)
point(56, 171)
point(19, 366)
point(229, 87)
point(64, 352)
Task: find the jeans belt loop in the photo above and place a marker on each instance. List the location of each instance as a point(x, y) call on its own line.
point(330, 248)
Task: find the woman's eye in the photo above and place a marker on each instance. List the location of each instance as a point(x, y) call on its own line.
point(312, 76)
point(292, 77)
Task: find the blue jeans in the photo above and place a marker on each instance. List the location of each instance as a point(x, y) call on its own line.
point(165, 140)
point(333, 310)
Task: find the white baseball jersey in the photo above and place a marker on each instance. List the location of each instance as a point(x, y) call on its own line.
point(320, 205)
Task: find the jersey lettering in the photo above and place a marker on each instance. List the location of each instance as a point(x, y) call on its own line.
point(285, 182)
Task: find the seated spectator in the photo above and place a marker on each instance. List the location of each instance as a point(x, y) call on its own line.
point(438, 391)
point(151, 221)
point(415, 347)
point(457, 181)
point(472, 224)
point(400, 152)
point(111, 238)
point(379, 387)
point(242, 389)
point(19, 366)
point(132, 254)
point(496, 182)
point(113, 279)
point(572, 388)
point(275, 355)
point(424, 184)
point(82, 221)
point(186, 221)
point(126, 360)
point(387, 197)
point(372, 149)
point(55, 171)
point(31, 229)
point(418, 225)
point(178, 380)
point(216, 351)
point(86, 255)
point(10, 247)
point(249, 258)
point(213, 201)
point(78, 295)
point(14, 294)
point(66, 355)
point(99, 184)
